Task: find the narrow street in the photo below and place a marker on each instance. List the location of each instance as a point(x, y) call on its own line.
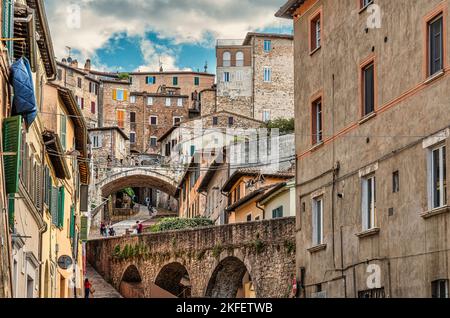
point(101, 287)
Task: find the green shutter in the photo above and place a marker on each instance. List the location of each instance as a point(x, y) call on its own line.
point(83, 228)
point(196, 81)
point(11, 210)
point(61, 207)
point(7, 24)
point(72, 222)
point(175, 81)
point(12, 137)
point(54, 206)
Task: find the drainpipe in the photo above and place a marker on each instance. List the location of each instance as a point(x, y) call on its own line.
point(335, 171)
point(260, 208)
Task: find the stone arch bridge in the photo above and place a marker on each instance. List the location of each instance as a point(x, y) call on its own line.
point(139, 176)
point(209, 262)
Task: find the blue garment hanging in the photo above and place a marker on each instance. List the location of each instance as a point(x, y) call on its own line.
point(24, 102)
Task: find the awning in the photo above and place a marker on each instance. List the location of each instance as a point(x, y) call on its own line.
point(54, 151)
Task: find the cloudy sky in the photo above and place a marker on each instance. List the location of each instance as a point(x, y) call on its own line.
point(129, 35)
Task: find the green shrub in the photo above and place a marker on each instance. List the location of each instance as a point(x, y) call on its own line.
point(285, 126)
point(172, 224)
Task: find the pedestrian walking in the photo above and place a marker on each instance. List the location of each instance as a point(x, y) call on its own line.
point(88, 290)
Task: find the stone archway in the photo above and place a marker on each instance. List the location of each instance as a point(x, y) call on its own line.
point(131, 283)
point(230, 279)
point(136, 179)
point(174, 278)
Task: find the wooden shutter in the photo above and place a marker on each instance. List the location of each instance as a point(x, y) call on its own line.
point(54, 196)
point(125, 95)
point(61, 199)
point(114, 94)
point(12, 137)
point(38, 187)
point(8, 24)
point(364, 205)
point(11, 210)
point(93, 107)
point(315, 222)
point(72, 222)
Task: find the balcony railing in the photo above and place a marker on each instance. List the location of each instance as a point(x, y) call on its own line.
point(229, 42)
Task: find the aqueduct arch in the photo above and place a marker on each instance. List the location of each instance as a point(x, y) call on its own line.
point(175, 279)
point(131, 283)
point(227, 280)
point(121, 178)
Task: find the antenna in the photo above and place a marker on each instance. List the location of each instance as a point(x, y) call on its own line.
point(206, 66)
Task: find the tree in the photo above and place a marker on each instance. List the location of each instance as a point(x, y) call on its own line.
point(286, 126)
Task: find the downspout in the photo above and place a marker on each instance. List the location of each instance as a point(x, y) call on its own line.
point(335, 169)
point(260, 208)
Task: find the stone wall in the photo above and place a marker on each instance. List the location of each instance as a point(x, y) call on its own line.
point(165, 118)
point(265, 249)
point(68, 77)
point(276, 96)
point(409, 240)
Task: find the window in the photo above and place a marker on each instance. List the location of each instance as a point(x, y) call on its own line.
point(226, 59)
point(132, 117)
point(168, 102)
point(93, 88)
point(438, 177)
point(180, 102)
point(150, 80)
point(80, 102)
point(175, 81)
point(196, 81)
point(93, 108)
point(439, 288)
point(396, 182)
point(239, 76)
point(133, 99)
point(153, 120)
point(132, 137)
point(267, 74)
point(435, 45)
point(215, 121)
point(226, 77)
point(149, 101)
point(368, 202)
point(316, 32)
point(153, 141)
point(59, 74)
point(97, 141)
point(121, 118)
point(266, 116)
point(317, 122)
point(318, 221)
point(239, 59)
point(230, 121)
point(79, 82)
point(120, 95)
point(368, 82)
point(176, 120)
point(365, 3)
point(63, 131)
point(249, 218)
point(277, 213)
point(267, 45)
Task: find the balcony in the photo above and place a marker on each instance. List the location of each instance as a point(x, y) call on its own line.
point(230, 42)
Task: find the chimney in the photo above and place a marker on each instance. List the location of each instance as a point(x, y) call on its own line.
point(74, 64)
point(87, 65)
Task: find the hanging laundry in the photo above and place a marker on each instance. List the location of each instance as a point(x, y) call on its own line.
point(24, 102)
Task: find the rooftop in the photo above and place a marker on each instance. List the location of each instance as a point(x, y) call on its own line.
point(288, 9)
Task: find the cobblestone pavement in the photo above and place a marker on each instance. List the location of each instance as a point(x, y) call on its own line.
point(101, 287)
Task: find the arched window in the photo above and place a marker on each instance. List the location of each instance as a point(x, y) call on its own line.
point(226, 59)
point(239, 59)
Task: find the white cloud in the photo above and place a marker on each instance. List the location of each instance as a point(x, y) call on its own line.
point(180, 21)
